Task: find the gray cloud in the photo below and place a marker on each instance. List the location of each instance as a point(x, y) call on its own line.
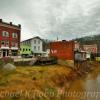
point(50, 19)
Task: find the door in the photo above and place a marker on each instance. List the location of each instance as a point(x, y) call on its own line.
point(4, 53)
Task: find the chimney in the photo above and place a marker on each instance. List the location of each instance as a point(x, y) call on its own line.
point(0, 20)
point(63, 40)
point(19, 25)
point(10, 23)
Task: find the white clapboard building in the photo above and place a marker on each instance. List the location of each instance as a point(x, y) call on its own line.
point(38, 46)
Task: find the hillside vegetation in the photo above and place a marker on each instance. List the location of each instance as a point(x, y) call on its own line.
point(94, 39)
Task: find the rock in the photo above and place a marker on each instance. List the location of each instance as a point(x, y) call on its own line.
point(9, 67)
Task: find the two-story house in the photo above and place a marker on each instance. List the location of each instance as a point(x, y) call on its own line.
point(9, 39)
point(36, 44)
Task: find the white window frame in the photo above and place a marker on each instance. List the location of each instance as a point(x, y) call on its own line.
point(34, 41)
point(34, 47)
point(14, 35)
point(5, 34)
point(6, 43)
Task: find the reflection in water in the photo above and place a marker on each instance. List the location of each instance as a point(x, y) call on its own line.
point(88, 88)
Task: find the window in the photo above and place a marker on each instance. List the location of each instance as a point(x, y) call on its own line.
point(34, 47)
point(14, 52)
point(5, 34)
point(25, 43)
point(28, 42)
point(34, 41)
point(23, 49)
point(14, 35)
point(5, 43)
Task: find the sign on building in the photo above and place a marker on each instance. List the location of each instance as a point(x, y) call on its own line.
point(62, 49)
point(90, 48)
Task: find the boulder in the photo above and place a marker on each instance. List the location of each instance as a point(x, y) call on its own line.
point(9, 67)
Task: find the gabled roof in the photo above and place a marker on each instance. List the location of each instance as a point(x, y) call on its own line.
point(33, 38)
point(37, 38)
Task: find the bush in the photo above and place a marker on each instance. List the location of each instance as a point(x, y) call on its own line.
point(6, 60)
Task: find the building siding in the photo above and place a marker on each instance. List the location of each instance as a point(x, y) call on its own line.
point(25, 50)
point(62, 49)
point(37, 45)
point(13, 43)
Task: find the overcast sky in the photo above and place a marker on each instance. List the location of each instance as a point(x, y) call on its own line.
point(65, 19)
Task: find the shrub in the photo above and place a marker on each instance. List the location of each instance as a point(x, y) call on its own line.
point(6, 60)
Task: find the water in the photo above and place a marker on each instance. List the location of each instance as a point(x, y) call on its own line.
point(87, 87)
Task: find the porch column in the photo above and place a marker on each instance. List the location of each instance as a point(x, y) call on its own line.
point(10, 52)
point(18, 52)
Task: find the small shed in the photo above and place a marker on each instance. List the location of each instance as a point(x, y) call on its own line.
point(80, 55)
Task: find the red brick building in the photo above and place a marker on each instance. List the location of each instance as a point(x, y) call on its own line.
point(62, 49)
point(9, 39)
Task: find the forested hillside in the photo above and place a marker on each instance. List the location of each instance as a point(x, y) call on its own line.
point(94, 39)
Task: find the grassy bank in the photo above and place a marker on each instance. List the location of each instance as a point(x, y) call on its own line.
point(38, 82)
point(31, 82)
